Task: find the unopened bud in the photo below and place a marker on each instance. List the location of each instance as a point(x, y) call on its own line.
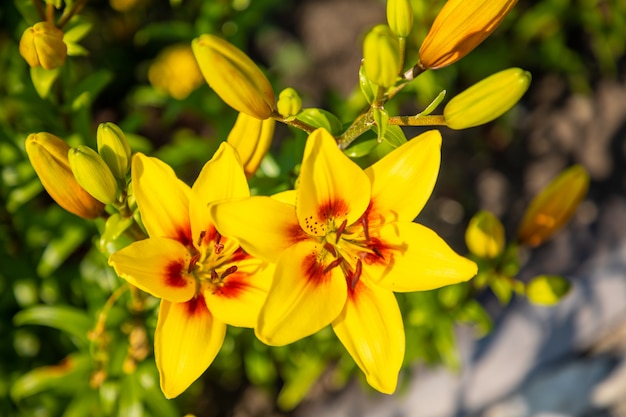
point(547, 290)
point(400, 17)
point(485, 235)
point(234, 76)
point(252, 138)
point(289, 102)
point(48, 155)
point(553, 206)
point(487, 100)
point(93, 174)
point(381, 56)
point(460, 26)
point(42, 44)
point(114, 148)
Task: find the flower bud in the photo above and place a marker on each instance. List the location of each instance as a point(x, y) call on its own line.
point(234, 76)
point(42, 44)
point(48, 155)
point(114, 148)
point(93, 174)
point(547, 290)
point(289, 102)
point(485, 235)
point(400, 17)
point(175, 72)
point(460, 26)
point(487, 100)
point(381, 56)
point(252, 138)
point(554, 206)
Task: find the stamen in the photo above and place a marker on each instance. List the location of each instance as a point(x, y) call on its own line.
point(377, 252)
point(219, 247)
point(332, 265)
point(229, 270)
point(214, 276)
point(357, 274)
point(330, 248)
point(366, 231)
point(193, 262)
point(341, 230)
point(201, 238)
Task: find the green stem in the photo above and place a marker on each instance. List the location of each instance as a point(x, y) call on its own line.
point(293, 122)
point(431, 120)
point(40, 11)
point(67, 15)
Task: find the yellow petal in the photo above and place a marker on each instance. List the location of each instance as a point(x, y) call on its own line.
point(221, 178)
point(404, 179)
point(263, 226)
point(302, 299)
point(186, 341)
point(370, 327)
point(415, 259)
point(239, 300)
point(157, 266)
point(331, 186)
point(162, 198)
point(252, 138)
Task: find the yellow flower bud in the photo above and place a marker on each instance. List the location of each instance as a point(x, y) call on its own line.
point(252, 138)
point(553, 206)
point(485, 235)
point(460, 26)
point(42, 44)
point(400, 17)
point(234, 76)
point(93, 174)
point(48, 155)
point(547, 290)
point(487, 100)
point(289, 102)
point(381, 56)
point(175, 72)
point(114, 148)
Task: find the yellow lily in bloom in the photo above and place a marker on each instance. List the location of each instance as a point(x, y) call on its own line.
point(205, 280)
point(459, 27)
point(345, 246)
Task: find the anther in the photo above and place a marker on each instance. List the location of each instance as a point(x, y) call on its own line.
point(341, 230)
point(366, 231)
point(228, 271)
point(214, 276)
point(219, 247)
point(201, 238)
point(332, 265)
point(193, 262)
point(330, 248)
point(357, 274)
point(377, 252)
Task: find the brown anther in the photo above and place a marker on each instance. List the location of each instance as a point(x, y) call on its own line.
point(193, 262)
point(219, 247)
point(214, 276)
point(330, 248)
point(201, 238)
point(341, 230)
point(366, 231)
point(357, 274)
point(228, 271)
point(332, 265)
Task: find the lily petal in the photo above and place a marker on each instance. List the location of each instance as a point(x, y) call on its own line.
point(187, 339)
point(370, 327)
point(415, 259)
point(303, 299)
point(404, 179)
point(158, 266)
point(331, 186)
point(221, 178)
point(162, 199)
point(263, 226)
point(239, 300)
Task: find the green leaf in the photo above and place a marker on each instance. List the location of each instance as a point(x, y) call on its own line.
point(43, 80)
point(394, 136)
point(84, 405)
point(60, 248)
point(433, 104)
point(547, 290)
point(87, 90)
point(473, 312)
point(76, 30)
point(28, 11)
point(321, 118)
point(381, 117)
point(502, 288)
point(297, 385)
point(67, 319)
point(368, 88)
point(130, 401)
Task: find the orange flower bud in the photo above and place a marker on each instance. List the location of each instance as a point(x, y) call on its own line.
point(554, 206)
point(460, 26)
point(42, 44)
point(48, 155)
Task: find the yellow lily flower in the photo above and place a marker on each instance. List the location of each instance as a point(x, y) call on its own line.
point(205, 280)
point(252, 138)
point(346, 244)
point(459, 27)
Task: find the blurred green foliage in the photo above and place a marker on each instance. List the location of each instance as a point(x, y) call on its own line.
point(55, 285)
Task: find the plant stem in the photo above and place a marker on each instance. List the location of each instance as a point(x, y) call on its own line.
point(431, 120)
point(40, 11)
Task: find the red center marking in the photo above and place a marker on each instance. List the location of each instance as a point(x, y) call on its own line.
point(332, 209)
point(174, 274)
